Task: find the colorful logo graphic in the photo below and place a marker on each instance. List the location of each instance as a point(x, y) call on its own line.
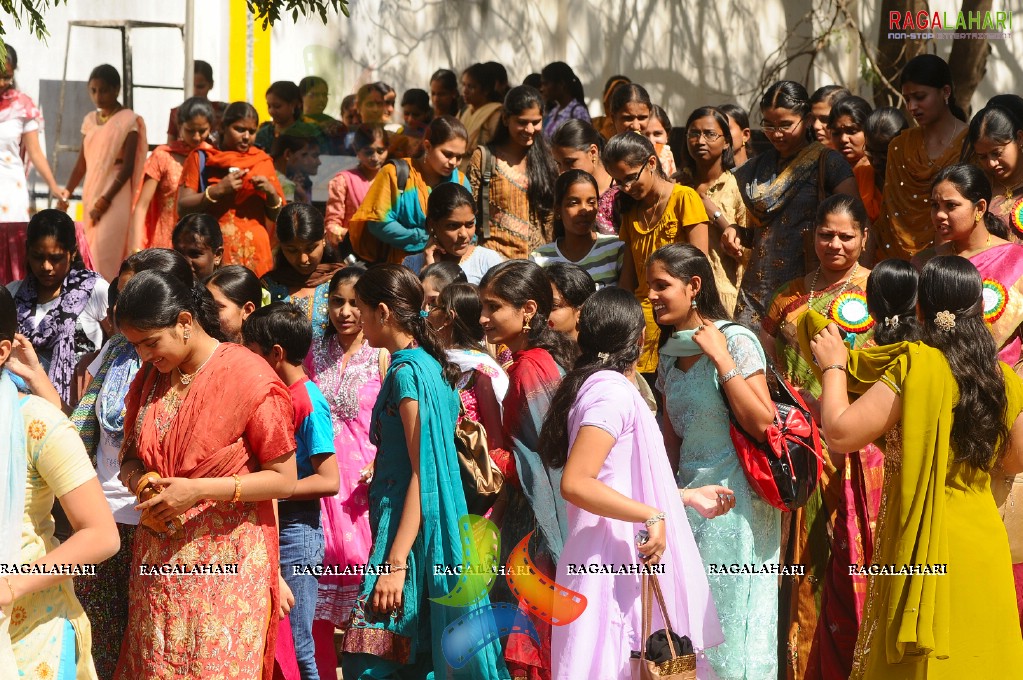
point(538, 595)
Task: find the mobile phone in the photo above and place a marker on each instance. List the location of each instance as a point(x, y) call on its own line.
point(642, 537)
point(230, 170)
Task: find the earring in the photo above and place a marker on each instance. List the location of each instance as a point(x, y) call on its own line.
point(976, 218)
point(694, 304)
point(187, 334)
point(525, 324)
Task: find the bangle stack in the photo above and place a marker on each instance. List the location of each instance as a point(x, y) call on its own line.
point(237, 488)
point(659, 517)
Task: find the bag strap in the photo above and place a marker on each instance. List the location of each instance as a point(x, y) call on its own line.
point(768, 368)
point(650, 586)
point(202, 171)
point(664, 614)
point(487, 163)
point(645, 612)
point(401, 171)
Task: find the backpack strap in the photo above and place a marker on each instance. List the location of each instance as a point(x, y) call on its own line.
point(483, 202)
point(401, 171)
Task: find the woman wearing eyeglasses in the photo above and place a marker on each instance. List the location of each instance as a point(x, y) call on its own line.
point(707, 167)
point(781, 190)
point(20, 122)
point(650, 211)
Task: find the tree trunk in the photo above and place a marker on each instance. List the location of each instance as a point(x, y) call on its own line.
point(893, 53)
point(968, 59)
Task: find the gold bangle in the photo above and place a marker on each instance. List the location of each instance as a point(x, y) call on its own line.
point(396, 567)
point(280, 202)
point(14, 595)
point(206, 195)
point(237, 489)
point(840, 367)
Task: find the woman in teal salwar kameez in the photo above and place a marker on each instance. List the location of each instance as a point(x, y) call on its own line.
point(397, 625)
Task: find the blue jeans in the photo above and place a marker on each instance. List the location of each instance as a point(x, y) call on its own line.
point(302, 546)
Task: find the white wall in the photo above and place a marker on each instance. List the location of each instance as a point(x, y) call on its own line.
point(687, 52)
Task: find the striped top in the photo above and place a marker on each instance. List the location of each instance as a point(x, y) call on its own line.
point(603, 263)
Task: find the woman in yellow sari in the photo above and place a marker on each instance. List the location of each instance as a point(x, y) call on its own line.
point(941, 603)
point(916, 156)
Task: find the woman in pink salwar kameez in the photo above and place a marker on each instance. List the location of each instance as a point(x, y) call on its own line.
point(616, 482)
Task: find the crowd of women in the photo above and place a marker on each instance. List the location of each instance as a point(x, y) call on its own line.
point(216, 374)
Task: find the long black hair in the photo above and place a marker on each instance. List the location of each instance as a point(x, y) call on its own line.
point(163, 259)
point(791, 96)
point(741, 117)
point(300, 221)
point(952, 284)
point(882, 126)
point(634, 150)
point(973, 184)
point(398, 288)
point(856, 108)
point(8, 316)
point(611, 326)
point(891, 301)
point(541, 170)
point(237, 111)
point(449, 81)
point(518, 281)
point(560, 72)
point(683, 261)
point(153, 299)
point(238, 284)
point(462, 302)
point(203, 225)
point(931, 70)
point(55, 224)
point(997, 123)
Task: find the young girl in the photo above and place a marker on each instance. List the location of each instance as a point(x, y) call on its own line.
point(348, 189)
point(349, 372)
point(482, 113)
point(700, 367)
point(156, 204)
point(236, 184)
point(577, 146)
point(444, 93)
point(657, 129)
point(415, 498)
point(238, 293)
point(560, 86)
point(707, 168)
point(198, 239)
point(996, 139)
point(521, 188)
point(483, 385)
point(880, 128)
point(821, 102)
point(391, 222)
point(451, 223)
point(436, 277)
point(61, 304)
point(571, 286)
point(111, 159)
point(652, 212)
point(845, 129)
point(517, 304)
point(916, 156)
point(617, 480)
point(576, 239)
point(303, 265)
point(284, 105)
point(738, 126)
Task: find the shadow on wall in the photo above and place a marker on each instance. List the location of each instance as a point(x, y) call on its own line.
point(686, 53)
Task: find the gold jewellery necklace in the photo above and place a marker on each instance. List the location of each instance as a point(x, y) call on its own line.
point(845, 284)
point(187, 378)
point(103, 119)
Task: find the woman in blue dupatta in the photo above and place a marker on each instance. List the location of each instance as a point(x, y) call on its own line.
point(416, 499)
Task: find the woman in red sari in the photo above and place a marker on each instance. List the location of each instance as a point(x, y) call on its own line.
point(156, 202)
point(517, 301)
point(205, 476)
point(238, 185)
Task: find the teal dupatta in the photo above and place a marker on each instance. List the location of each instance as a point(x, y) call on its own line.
point(387, 647)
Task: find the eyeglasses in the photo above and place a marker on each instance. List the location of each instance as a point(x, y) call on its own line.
point(784, 128)
point(628, 181)
point(709, 135)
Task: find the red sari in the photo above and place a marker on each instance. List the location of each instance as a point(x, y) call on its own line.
point(191, 625)
point(248, 234)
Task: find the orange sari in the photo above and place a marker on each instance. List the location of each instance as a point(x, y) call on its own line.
point(164, 168)
point(110, 239)
point(248, 234)
point(185, 625)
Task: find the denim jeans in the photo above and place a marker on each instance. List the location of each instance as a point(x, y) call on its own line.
point(302, 546)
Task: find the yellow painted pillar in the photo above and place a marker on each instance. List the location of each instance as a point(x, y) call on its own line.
point(249, 70)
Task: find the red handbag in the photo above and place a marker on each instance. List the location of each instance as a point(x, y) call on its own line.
point(784, 469)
